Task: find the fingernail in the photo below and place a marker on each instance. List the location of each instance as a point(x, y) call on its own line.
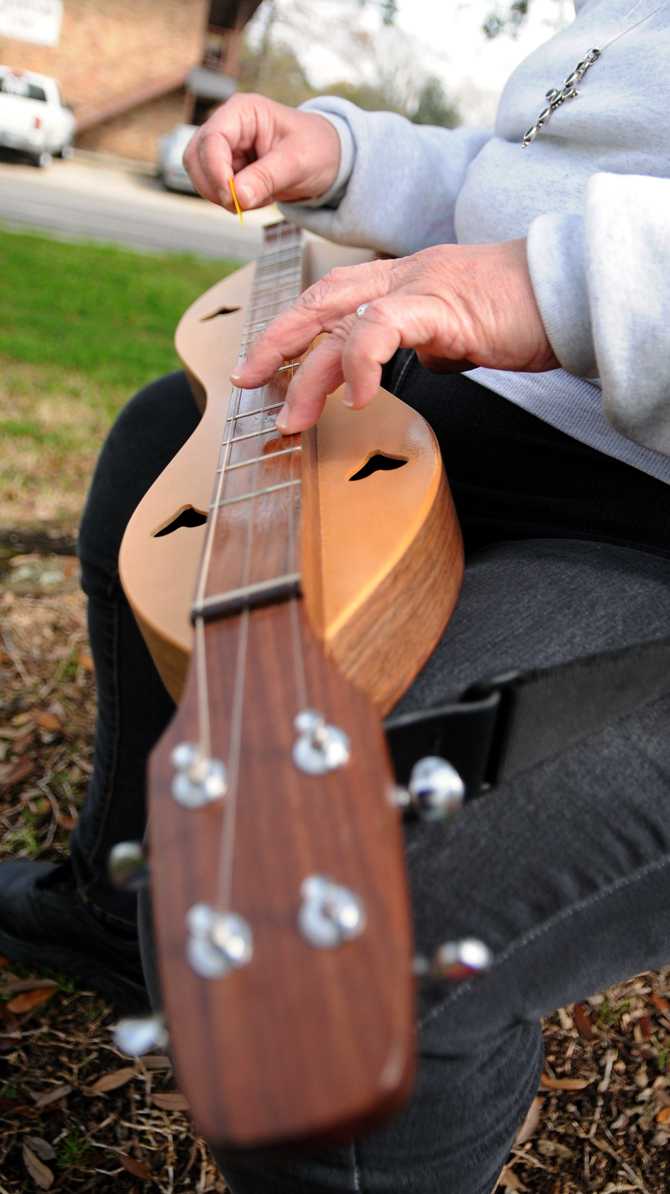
point(238, 368)
point(283, 418)
point(346, 398)
point(245, 195)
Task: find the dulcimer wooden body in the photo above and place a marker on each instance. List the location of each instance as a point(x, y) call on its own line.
point(297, 1039)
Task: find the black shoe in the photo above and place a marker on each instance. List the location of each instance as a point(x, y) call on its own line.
point(45, 925)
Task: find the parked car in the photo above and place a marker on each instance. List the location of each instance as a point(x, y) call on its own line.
point(170, 153)
point(33, 118)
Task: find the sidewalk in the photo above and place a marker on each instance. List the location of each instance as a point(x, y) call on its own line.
point(97, 197)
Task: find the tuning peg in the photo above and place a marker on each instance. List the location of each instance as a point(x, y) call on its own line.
point(127, 866)
point(198, 779)
point(435, 790)
point(319, 747)
point(139, 1035)
point(456, 961)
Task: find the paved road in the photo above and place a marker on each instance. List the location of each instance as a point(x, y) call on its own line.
point(88, 200)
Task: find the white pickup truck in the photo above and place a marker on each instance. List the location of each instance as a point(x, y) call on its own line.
point(33, 119)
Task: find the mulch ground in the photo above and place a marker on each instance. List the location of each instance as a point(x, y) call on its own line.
point(76, 1115)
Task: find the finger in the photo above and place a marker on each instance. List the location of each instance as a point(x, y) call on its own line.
point(199, 178)
point(317, 377)
point(407, 321)
point(264, 180)
point(320, 308)
point(215, 158)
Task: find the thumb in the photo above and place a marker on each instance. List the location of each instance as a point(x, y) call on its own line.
point(272, 177)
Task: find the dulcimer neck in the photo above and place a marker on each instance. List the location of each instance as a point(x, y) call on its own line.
point(251, 554)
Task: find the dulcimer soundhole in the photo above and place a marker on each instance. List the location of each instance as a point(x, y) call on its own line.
point(377, 462)
point(220, 311)
point(188, 517)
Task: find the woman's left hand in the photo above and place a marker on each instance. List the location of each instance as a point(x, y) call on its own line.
point(459, 306)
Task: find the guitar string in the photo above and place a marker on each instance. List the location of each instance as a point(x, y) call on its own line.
point(202, 680)
point(226, 865)
point(225, 877)
point(202, 683)
point(292, 565)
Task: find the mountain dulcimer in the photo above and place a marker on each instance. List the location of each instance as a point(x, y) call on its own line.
point(289, 589)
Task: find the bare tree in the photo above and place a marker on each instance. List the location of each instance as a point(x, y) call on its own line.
point(511, 17)
point(380, 68)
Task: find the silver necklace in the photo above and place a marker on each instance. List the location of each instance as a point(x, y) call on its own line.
point(558, 95)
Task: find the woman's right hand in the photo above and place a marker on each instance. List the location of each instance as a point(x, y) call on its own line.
point(274, 152)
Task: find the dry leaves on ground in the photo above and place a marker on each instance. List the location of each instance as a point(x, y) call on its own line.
point(75, 1116)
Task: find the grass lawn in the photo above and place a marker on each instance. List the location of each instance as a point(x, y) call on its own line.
point(82, 326)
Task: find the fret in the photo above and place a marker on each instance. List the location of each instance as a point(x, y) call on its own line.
point(259, 410)
point(254, 493)
point(260, 459)
point(269, 287)
point(291, 251)
point(264, 592)
point(237, 439)
point(276, 274)
point(287, 260)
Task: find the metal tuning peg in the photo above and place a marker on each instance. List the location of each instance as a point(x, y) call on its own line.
point(435, 790)
point(127, 866)
point(455, 961)
point(218, 942)
point(139, 1035)
point(330, 913)
point(319, 748)
point(198, 780)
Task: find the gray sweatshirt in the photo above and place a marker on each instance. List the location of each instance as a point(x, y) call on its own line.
point(591, 194)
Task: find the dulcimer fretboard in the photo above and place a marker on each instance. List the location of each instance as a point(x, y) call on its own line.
point(251, 552)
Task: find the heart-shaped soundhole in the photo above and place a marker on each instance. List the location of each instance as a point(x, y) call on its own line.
point(188, 516)
point(376, 463)
point(220, 311)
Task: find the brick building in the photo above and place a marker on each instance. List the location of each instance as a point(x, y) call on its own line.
point(131, 69)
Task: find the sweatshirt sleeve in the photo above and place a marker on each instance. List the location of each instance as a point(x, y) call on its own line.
point(398, 182)
point(602, 282)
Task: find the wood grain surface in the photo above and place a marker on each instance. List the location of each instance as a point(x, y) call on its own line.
point(302, 1041)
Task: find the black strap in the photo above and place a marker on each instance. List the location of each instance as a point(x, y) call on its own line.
point(506, 723)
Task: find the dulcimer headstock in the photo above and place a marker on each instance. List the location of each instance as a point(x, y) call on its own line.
point(285, 959)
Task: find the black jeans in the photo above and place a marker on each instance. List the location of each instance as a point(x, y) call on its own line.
point(565, 872)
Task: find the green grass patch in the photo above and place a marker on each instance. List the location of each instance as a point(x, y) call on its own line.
point(30, 429)
point(82, 327)
point(73, 1150)
point(103, 312)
